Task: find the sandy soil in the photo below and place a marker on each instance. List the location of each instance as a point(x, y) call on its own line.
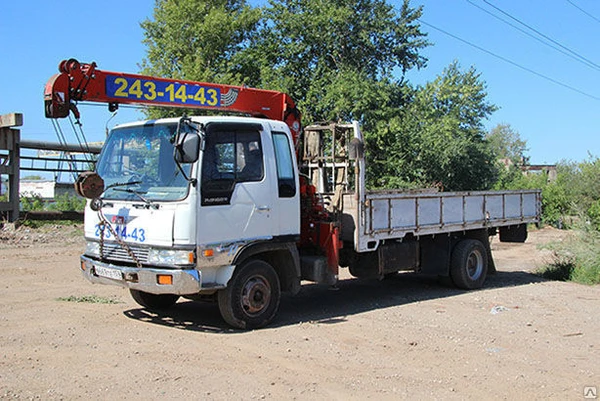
point(405, 337)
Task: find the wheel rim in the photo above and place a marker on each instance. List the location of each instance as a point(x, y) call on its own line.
point(256, 295)
point(475, 265)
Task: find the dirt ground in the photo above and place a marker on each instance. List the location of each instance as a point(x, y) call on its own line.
point(402, 338)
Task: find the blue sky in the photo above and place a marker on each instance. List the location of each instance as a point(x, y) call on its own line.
point(557, 123)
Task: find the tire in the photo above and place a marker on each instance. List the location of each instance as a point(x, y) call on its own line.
point(252, 296)
point(469, 264)
point(154, 301)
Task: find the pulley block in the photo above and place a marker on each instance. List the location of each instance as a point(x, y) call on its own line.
point(89, 185)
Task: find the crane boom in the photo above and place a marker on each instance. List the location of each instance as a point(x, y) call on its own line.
point(84, 82)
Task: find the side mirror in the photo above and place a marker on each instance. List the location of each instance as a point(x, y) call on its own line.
point(187, 147)
point(187, 142)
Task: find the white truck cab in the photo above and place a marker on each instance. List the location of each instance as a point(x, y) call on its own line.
point(164, 228)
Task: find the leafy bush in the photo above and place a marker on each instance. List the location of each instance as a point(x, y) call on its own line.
point(561, 269)
point(576, 259)
point(574, 195)
point(571, 201)
point(68, 203)
point(555, 205)
point(593, 214)
point(555, 201)
point(31, 202)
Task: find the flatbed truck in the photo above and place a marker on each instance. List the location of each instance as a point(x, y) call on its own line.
point(239, 209)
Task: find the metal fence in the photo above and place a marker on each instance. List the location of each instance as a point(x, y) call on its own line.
point(48, 157)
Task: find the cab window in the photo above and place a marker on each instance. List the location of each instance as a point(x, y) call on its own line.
point(232, 154)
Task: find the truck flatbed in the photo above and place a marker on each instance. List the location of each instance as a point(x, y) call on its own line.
point(384, 215)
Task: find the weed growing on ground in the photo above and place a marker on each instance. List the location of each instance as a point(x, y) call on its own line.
point(90, 299)
point(46, 223)
point(575, 259)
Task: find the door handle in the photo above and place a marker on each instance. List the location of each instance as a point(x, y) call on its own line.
point(263, 208)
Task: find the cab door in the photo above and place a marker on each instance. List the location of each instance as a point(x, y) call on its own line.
point(238, 195)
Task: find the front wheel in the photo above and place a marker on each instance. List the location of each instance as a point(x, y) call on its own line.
point(469, 264)
point(154, 301)
point(252, 296)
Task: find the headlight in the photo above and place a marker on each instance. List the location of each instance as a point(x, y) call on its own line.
point(92, 248)
point(170, 257)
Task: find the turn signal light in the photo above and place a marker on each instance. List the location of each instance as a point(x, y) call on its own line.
point(207, 253)
point(164, 279)
point(82, 265)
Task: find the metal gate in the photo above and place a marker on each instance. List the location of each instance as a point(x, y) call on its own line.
point(51, 157)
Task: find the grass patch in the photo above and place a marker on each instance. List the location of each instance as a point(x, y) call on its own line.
point(48, 223)
point(558, 270)
point(575, 259)
point(90, 299)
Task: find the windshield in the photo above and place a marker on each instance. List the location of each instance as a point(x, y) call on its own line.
point(143, 157)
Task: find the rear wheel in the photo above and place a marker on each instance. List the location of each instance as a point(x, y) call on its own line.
point(252, 296)
point(469, 264)
point(154, 301)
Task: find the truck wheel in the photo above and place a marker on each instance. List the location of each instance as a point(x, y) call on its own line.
point(154, 301)
point(252, 296)
point(469, 264)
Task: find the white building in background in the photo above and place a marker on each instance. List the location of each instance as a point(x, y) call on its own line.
point(43, 188)
point(47, 189)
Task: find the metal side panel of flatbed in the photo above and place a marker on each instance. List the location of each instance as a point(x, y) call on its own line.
point(393, 215)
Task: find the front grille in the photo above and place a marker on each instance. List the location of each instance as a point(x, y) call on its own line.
point(115, 252)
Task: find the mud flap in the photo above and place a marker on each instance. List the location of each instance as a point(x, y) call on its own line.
point(329, 238)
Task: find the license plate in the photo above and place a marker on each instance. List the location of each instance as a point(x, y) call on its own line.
point(108, 272)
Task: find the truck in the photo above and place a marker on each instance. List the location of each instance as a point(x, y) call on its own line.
point(240, 208)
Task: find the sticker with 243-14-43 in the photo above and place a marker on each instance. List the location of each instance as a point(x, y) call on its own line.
point(156, 91)
point(132, 233)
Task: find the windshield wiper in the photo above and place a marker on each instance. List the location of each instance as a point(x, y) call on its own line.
point(129, 190)
point(122, 184)
point(136, 193)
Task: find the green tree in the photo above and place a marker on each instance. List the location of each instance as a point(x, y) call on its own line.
point(510, 152)
point(338, 58)
point(331, 56)
point(581, 183)
point(439, 137)
point(199, 40)
point(556, 203)
point(506, 143)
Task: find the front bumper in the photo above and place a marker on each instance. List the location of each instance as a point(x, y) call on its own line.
point(184, 282)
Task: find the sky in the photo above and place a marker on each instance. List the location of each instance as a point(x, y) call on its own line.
point(552, 100)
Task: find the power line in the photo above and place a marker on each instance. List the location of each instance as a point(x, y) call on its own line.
point(542, 35)
point(510, 61)
point(583, 11)
point(591, 65)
